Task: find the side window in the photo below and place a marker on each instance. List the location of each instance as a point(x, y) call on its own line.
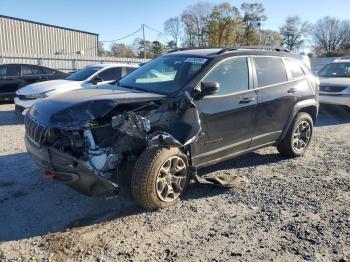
point(129, 69)
point(37, 70)
point(294, 68)
point(2, 71)
point(270, 70)
point(27, 71)
point(47, 71)
point(232, 75)
point(110, 74)
point(8, 71)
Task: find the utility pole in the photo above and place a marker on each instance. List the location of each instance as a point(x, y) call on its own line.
point(144, 41)
point(259, 26)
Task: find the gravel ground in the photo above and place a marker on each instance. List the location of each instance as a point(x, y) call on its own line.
point(286, 209)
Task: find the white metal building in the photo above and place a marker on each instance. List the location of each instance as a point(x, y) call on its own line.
point(19, 36)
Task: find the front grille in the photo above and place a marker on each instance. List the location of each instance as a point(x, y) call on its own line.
point(36, 131)
point(23, 97)
point(332, 89)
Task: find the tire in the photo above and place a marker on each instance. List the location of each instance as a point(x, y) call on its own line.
point(152, 185)
point(292, 143)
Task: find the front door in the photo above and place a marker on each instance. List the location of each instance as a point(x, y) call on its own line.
point(227, 117)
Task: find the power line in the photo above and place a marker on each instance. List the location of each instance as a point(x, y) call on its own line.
point(115, 40)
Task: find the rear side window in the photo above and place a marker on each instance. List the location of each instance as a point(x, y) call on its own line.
point(110, 74)
point(47, 71)
point(270, 70)
point(294, 68)
point(232, 76)
point(27, 71)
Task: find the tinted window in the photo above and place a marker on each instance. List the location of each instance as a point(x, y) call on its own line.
point(84, 73)
point(28, 71)
point(110, 74)
point(294, 68)
point(270, 70)
point(8, 71)
point(232, 75)
point(37, 70)
point(2, 71)
point(47, 71)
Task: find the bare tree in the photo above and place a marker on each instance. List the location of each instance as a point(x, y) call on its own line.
point(294, 32)
point(331, 35)
point(271, 38)
point(195, 22)
point(172, 26)
point(102, 51)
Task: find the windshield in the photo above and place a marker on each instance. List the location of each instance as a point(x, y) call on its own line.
point(335, 70)
point(164, 75)
point(84, 73)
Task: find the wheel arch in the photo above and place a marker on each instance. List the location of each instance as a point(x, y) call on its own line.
point(309, 106)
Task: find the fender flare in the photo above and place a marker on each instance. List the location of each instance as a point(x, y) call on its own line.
point(299, 106)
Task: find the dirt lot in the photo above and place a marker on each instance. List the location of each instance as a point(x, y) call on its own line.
point(288, 210)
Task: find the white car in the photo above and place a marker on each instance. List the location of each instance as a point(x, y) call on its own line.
point(90, 76)
point(335, 83)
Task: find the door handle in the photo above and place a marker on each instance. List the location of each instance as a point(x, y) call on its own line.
point(247, 100)
point(292, 90)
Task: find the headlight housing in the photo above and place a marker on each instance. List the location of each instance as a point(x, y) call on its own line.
point(39, 95)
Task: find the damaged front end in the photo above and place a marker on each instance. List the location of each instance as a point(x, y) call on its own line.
point(86, 145)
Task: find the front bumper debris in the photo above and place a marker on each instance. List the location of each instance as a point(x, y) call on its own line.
point(70, 170)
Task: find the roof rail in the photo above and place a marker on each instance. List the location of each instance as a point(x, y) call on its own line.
point(232, 48)
point(191, 48)
point(266, 48)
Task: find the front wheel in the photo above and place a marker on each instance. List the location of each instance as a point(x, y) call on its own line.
point(160, 177)
point(298, 137)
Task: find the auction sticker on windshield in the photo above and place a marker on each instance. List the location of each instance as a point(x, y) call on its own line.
point(196, 60)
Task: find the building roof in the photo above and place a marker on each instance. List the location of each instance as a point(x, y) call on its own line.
point(38, 23)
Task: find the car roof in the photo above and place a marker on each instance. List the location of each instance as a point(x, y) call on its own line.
point(235, 51)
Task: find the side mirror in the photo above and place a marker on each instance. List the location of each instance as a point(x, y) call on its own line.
point(207, 88)
point(97, 79)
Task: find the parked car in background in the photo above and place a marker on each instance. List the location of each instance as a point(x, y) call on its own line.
point(335, 82)
point(90, 76)
point(179, 112)
point(15, 76)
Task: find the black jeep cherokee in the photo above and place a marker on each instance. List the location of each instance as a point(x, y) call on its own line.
point(182, 111)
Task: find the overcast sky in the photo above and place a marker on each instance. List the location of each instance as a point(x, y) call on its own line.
point(115, 19)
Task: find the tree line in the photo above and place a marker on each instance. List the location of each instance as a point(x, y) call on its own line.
point(218, 25)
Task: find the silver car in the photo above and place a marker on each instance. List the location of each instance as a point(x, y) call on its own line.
point(335, 83)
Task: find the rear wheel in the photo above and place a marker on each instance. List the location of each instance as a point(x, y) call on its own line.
point(160, 177)
point(298, 138)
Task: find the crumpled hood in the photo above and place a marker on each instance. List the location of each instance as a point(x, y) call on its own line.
point(45, 86)
point(74, 109)
point(335, 81)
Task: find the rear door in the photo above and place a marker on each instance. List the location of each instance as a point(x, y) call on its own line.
point(9, 82)
point(277, 94)
point(227, 117)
